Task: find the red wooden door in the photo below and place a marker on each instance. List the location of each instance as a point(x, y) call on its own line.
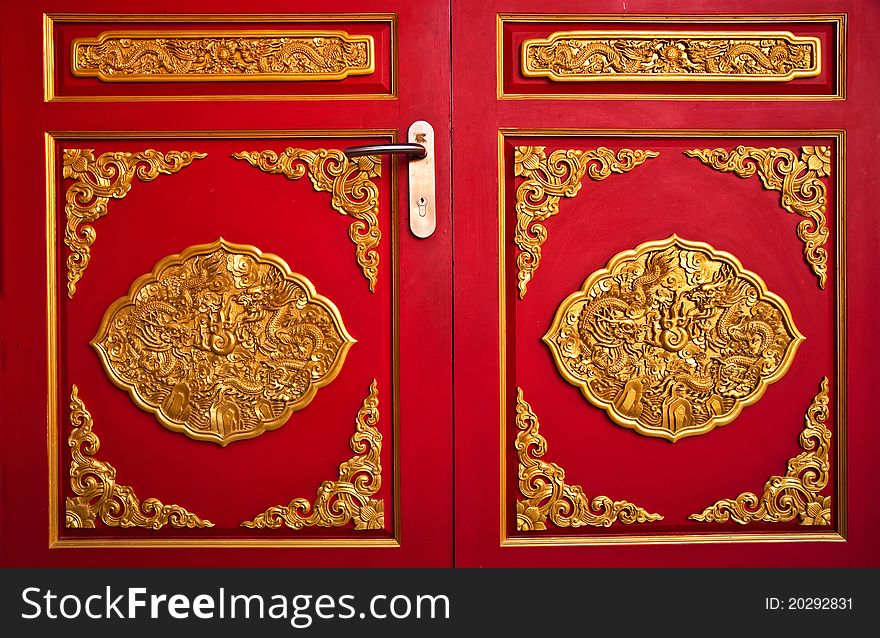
point(654, 364)
point(243, 353)
point(230, 349)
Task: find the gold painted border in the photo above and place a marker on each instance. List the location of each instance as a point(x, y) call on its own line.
point(788, 36)
point(49, 71)
point(837, 19)
point(104, 36)
point(53, 414)
point(840, 417)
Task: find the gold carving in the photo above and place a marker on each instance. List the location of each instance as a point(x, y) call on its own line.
point(222, 342)
point(187, 56)
point(546, 180)
point(799, 182)
point(580, 56)
point(797, 494)
point(348, 181)
point(673, 339)
point(546, 493)
point(97, 182)
point(99, 496)
point(350, 497)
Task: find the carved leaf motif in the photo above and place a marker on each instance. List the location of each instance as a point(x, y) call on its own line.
point(349, 499)
point(96, 182)
point(546, 494)
point(348, 182)
point(802, 191)
point(97, 495)
point(797, 493)
point(546, 180)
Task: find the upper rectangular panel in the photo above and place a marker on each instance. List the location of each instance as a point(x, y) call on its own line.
point(671, 57)
point(176, 57)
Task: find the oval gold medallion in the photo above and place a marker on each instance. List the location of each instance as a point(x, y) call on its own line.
point(673, 339)
point(222, 342)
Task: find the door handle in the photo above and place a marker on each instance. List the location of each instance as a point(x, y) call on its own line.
point(420, 151)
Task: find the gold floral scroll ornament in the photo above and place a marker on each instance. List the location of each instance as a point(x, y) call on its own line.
point(673, 339)
point(546, 180)
point(97, 494)
point(189, 56)
point(348, 181)
point(222, 342)
point(797, 494)
point(687, 56)
point(546, 495)
point(97, 181)
point(349, 498)
point(798, 180)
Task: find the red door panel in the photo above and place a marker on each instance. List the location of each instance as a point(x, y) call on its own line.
point(254, 400)
point(555, 366)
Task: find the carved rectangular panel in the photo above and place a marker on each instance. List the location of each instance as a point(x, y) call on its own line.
point(672, 344)
point(213, 381)
point(163, 57)
point(647, 57)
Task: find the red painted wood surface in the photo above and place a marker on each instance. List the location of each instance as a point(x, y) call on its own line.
point(617, 214)
point(227, 197)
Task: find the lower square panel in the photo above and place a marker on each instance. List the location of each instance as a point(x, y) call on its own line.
point(222, 340)
point(672, 336)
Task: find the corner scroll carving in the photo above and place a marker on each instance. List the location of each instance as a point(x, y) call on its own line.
point(353, 194)
point(799, 181)
point(97, 494)
point(547, 178)
point(797, 494)
point(546, 494)
point(348, 499)
point(97, 181)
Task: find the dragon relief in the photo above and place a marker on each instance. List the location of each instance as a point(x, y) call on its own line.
point(222, 342)
point(210, 55)
point(642, 55)
point(673, 339)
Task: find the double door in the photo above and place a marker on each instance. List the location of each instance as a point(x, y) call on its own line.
point(581, 300)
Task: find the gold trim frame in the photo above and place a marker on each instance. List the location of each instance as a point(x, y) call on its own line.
point(669, 54)
point(505, 244)
point(153, 40)
point(52, 331)
point(49, 53)
point(616, 22)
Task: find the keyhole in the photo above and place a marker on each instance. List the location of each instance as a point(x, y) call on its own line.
point(423, 206)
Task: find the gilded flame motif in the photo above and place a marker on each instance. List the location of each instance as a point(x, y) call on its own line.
point(546, 494)
point(175, 56)
point(349, 181)
point(547, 178)
point(96, 182)
point(799, 181)
point(350, 498)
point(222, 342)
point(797, 494)
point(97, 494)
point(581, 56)
point(673, 339)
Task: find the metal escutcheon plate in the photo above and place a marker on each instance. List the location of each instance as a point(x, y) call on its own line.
point(422, 203)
